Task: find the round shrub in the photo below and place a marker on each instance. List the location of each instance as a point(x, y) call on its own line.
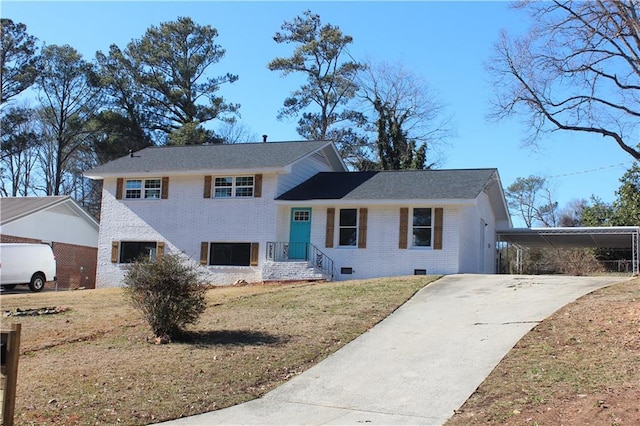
point(167, 292)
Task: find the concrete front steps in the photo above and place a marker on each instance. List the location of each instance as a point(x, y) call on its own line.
point(292, 271)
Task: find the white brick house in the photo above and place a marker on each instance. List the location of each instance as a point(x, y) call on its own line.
point(291, 210)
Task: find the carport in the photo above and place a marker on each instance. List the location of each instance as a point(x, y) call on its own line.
point(610, 237)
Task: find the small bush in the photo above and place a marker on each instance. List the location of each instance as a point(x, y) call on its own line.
point(167, 292)
point(578, 261)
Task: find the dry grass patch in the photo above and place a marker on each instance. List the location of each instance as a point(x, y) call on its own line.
point(580, 366)
point(93, 364)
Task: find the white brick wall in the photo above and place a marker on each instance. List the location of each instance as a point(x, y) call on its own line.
point(183, 221)
point(290, 271)
point(382, 257)
point(186, 219)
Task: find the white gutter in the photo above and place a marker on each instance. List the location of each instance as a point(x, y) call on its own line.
point(369, 202)
point(202, 172)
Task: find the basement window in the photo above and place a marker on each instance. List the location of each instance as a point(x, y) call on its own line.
point(230, 254)
point(130, 251)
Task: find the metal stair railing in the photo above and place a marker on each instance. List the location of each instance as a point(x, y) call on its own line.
point(292, 251)
point(319, 260)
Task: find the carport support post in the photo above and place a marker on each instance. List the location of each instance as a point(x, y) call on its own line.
point(518, 260)
point(502, 256)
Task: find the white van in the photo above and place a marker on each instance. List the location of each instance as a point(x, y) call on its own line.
point(26, 264)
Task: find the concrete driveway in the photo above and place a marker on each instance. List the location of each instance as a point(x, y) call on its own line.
point(422, 362)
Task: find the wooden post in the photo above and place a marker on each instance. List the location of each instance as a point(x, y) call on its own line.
point(10, 355)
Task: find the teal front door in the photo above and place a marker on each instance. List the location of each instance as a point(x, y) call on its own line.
point(300, 233)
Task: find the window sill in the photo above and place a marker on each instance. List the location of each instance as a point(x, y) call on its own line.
point(232, 198)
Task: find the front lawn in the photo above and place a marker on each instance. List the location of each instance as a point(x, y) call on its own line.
point(95, 363)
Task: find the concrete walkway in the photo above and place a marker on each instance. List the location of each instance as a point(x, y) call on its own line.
point(422, 362)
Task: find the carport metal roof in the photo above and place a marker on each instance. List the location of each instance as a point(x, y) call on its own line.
point(621, 237)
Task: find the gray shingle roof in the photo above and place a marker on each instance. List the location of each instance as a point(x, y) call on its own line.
point(169, 159)
point(14, 208)
point(393, 185)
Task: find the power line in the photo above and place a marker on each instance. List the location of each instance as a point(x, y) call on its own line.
point(590, 170)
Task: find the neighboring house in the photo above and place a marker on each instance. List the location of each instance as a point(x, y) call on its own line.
point(60, 222)
point(291, 210)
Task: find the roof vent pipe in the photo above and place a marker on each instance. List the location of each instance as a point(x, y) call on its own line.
point(264, 138)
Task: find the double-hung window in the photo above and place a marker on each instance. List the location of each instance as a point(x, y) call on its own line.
point(143, 188)
point(233, 186)
point(422, 227)
point(223, 187)
point(348, 227)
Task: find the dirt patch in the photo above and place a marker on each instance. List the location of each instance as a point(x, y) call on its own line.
point(615, 407)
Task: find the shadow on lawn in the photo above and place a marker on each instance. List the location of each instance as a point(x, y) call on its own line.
point(232, 338)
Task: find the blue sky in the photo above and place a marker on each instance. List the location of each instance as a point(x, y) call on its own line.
point(447, 43)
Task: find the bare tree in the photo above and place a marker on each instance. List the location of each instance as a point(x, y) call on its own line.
point(20, 141)
point(531, 199)
point(578, 69)
point(571, 214)
point(236, 133)
point(405, 116)
point(69, 101)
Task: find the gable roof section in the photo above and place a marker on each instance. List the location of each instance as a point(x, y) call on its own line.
point(194, 158)
point(15, 208)
point(461, 184)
